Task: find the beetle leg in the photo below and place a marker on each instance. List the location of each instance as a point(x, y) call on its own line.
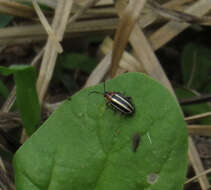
point(108, 104)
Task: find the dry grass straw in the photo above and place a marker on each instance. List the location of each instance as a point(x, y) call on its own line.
point(5, 181)
point(9, 121)
point(145, 54)
point(47, 27)
point(100, 71)
point(203, 130)
point(197, 165)
point(198, 116)
point(2, 166)
point(128, 19)
point(51, 52)
point(36, 33)
point(104, 2)
point(48, 3)
point(173, 28)
point(82, 10)
point(199, 175)
point(16, 9)
point(127, 63)
point(59, 24)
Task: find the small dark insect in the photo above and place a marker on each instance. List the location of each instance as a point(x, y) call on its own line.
point(136, 142)
point(118, 102)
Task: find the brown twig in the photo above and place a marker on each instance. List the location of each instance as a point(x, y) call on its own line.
point(16, 9)
point(195, 100)
point(173, 14)
point(197, 164)
point(49, 59)
point(9, 120)
point(173, 28)
point(204, 130)
point(128, 19)
point(198, 116)
point(199, 175)
point(88, 4)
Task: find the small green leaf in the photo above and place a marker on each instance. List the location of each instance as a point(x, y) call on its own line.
point(190, 110)
point(84, 145)
point(26, 95)
point(5, 20)
point(196, 66)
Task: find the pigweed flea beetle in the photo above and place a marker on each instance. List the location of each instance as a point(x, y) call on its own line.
point(117, 101)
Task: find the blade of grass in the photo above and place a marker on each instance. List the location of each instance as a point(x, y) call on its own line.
point(27, 99)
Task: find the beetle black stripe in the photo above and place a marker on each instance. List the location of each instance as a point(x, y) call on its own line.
point(120, 108)
point(120, 105)
point(124, 102)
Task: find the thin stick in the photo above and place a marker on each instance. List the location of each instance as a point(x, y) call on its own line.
point(198, 116)
point(197, 164)
point(195, 100)
point(202, 130)
point(173, 28)
point(89, 4)
point(16, 9)
point(199, 175)
point(47, 26)
point(49, 59)
point(127, 21)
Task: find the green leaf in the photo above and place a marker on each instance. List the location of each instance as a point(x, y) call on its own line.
point(196, 66)
point(194, 109)
point(77, 61)
point(84, 145)
point(5, 20)
point(26, 95)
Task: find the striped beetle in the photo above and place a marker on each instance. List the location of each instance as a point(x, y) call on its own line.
point(117, 101)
